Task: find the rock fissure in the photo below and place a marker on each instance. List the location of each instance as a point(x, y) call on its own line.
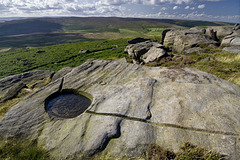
point(164, 124)
point(61, 85)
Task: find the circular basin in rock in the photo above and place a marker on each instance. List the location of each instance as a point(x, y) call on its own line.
point(66, 104)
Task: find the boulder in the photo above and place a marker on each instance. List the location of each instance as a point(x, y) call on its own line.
point(207, 59)
point(136, 51)
point(236, 33)
point(236, 26)
point(10, 86)
point(137, 40)
point(184, 42)
point(40, 51)
point(198, 30)
point(232, 49)
point(132, 107)
point(180, 40)
point(231, 41)
point(154, 54)
point(168, 39)
point(169, 34)
point(164, 34)
point(84, 51)
point(221, 31)
point(196, 50)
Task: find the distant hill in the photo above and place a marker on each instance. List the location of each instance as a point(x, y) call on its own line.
point(35, 31)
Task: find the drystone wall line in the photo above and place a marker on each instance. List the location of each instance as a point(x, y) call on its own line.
point(166, 124)
point(60, 61)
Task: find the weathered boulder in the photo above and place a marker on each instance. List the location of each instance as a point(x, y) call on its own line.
point(40, 51)
point(198, 30)
point(181, 40)
point(232, 49)
point(236, 33)
point(84, 51)
point(10, 86)
point(135, 51)
point(154, 54)
point(221, 31)
point(231, 41)
point(184, 42)
point(132, 106)
point(146, 52)
point(170, 34)
point(196, 50)
point(137, 40)
point(236, 26)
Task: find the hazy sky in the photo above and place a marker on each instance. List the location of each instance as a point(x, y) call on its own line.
point(211, 10)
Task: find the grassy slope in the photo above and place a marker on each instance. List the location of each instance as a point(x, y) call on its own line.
point(58, 56)
point(224, 65)
point(50, 31)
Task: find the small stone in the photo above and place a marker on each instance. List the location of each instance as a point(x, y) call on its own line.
point(205, 59)
point(40, 51)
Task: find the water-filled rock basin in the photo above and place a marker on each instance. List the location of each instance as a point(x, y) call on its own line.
point(66, 105)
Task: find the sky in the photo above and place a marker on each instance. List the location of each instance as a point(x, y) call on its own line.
point(210, 10)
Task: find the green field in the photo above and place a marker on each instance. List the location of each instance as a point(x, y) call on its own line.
point(58, 56)
point(50, 31)
point(128, 31)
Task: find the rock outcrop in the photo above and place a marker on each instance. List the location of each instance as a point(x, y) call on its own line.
point(236, 27)
point(145, 52)
point(132, 106)
point(232, 49)
point(231, 41)
point(183, 40)
point(221, 31)
point(137, 40)
point(198, 40)
point(231, 44)
point(10, 86)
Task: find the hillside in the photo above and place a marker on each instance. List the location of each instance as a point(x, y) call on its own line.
point(49, 31)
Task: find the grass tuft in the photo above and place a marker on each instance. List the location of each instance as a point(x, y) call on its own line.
point(188, 152)
point(15, 150)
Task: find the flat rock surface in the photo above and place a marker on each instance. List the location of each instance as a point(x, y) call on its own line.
point(232, 49)
point(11, 85)
point(132, 106)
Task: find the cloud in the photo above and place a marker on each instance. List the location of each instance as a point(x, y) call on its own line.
point(201, 6)
point(175, 7)
point(39, 8)
point(191, 16)
point(212, 0)
point(163, 8)
point(145, 2)
point(59, 8)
